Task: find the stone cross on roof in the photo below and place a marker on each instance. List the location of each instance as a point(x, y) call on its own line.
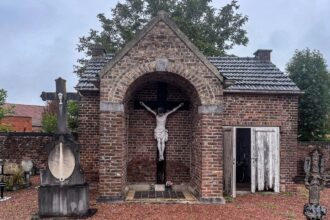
point(62, 97)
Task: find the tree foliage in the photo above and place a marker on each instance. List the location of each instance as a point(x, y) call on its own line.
point(73, 115)
point(49, 118)
point(308, 70)
point(213, 31)
point(49, 122)
point(4, 111)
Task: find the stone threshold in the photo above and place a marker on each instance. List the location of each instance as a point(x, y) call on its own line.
point(160, 197)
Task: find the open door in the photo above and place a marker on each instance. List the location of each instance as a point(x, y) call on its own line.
point(229, 160)
point(265, 163)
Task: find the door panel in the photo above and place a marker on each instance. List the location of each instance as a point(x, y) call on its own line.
point(229, 160)
point(265, 159)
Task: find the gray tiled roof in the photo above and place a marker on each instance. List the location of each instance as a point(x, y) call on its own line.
point(91, 72)
point(249, 74)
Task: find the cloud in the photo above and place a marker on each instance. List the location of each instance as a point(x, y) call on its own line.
point(38, 37)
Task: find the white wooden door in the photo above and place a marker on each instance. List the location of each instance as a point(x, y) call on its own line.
point(265, 162)
point(229, 161)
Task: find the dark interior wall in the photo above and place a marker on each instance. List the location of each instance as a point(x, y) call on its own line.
point(142, 150)
point(243, 155)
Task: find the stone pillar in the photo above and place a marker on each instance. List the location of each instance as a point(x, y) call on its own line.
point(112, 153)
point(211, 142)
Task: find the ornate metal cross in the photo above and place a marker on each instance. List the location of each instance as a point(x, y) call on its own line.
point(62, 97)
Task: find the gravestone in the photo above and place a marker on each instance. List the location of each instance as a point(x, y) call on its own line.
point(63, 190)
point(314, 182)
point(27, 166)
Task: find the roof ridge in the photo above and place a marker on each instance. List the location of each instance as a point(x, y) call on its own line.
point(24, 104)
point(162, 17)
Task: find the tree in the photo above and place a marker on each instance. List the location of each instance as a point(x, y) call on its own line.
point(4, 111)
point(213, 31)
point(308, 70)
point(73, 115)
point(49, 118)
point(48, 122)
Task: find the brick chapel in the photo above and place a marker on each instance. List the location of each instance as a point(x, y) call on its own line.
point(236, 131)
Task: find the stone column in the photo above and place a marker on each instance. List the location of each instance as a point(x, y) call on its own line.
point(210, 125)
point(112, 152)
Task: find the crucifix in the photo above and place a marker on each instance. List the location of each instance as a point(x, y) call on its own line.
point(62, 97)
point(63, 165)
point(160, 132)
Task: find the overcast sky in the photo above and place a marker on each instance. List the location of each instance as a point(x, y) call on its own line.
point(38, 37)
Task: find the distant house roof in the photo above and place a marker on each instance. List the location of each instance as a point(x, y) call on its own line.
point(33, 111)
point(249, 74)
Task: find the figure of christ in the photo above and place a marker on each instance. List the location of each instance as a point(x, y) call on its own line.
point(160, 132)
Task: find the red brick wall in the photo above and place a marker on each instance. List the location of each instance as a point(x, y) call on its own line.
point(88, 130)
point(17, 146)
point(115, 84)
point(18, 123)
point(210, 135)
point(112, 155)
point(273, 111)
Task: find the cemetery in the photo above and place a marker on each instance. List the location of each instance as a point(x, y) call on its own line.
point(163, 128)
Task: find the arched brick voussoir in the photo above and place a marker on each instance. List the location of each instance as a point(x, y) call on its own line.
point(206, 89)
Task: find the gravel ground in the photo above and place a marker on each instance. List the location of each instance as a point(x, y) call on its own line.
point(23, 204)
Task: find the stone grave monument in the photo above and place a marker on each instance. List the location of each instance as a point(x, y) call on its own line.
point(314, 182)
point(63, 190)
point(27, 166)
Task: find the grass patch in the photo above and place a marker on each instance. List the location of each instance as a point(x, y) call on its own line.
point(288, 194)
point(271, 206)
point(291, 215)
point(229, 199)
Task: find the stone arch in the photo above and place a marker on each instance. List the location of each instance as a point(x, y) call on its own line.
point(207, 89)
point(180, 154)
point(115, 87)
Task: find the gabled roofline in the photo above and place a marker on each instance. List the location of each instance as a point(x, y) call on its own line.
point(162, 16)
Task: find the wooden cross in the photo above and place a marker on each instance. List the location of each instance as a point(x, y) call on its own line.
point(161, 103)
point(161, 100)
point(62, 97)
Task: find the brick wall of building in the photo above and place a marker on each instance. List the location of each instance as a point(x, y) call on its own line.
point(126, 148)
point(18, 123)
point(88, 130)
point(271, 111)
point(116, 90)
point(16, 146)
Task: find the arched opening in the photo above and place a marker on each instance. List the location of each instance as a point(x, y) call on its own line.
point(181, 161)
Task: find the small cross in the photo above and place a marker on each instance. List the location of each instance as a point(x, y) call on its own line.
point(62, 97)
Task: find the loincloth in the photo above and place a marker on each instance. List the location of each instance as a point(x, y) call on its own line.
point(161, 134)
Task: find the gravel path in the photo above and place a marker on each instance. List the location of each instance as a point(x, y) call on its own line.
point(23, 204)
